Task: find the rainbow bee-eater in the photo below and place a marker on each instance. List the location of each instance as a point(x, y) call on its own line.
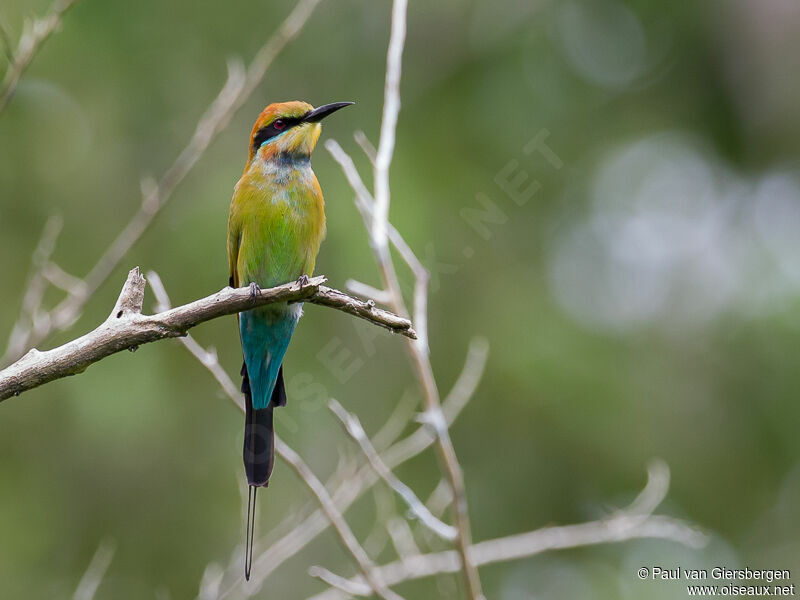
point(275, 227)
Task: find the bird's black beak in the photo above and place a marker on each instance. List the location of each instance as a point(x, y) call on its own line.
point(320, 113)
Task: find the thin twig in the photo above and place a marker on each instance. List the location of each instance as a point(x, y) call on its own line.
point(627, 524)
point(379, 229)
point(440, 498)
point(208, 358)
point(419, 353)
point(5, 40)
point(391, 110)
point(211, 582)
point(127, 328)
point(29, 314)
point(393, 428)
point(454, 403)
point(337, 520)
point(238, 87)
point(336, 581)
point(470, 377)
point(363, 141)
point(34, 35)
point(364, 289)
point(385, 508)
point(529, 544)
point(59, 278)
point(366, 310)
point(353, 427)
point(95, 572)
point(402, 537)
point(366, 206)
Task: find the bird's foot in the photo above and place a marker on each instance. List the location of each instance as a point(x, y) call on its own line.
point(302, 281)
point(254, 290)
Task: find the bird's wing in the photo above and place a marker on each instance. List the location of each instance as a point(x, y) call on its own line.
point(234, 239)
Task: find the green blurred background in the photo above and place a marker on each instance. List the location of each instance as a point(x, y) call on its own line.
point(640, 301)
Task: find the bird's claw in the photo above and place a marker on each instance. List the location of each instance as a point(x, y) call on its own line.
point(302, 281)
point(254, 290)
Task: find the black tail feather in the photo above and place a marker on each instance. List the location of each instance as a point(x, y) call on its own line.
point(258, 453)
point(279, 393)
point(259, 439)
point(250, 531)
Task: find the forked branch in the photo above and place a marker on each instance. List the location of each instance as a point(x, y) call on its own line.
point(127, 328)
point(35, 34)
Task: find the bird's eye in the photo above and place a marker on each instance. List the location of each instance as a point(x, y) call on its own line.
point(279, 124)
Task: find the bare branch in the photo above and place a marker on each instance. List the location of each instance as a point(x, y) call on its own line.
point(59, 278)
point(470, 377)
point(94, 574)
point(416, 442)
point(364, 289)
point(366, 310)
point(337, 520)
point(353, 427)
point(33, 36)
point(402, 537)
point(376, 540)
point(127, 328)
point(238, 87)
point(34, 292)
point(627, 524)
point(397, 421)
point(440, 498)
point(211, 582)
point(419, 351)
point(366, 206)
point(5, 40)
point(208, 358)
point(391, 110)
point(363, 141)
point(364, 201)
point(654, 492)
point(337, 581)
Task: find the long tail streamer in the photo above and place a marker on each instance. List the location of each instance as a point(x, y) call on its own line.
point(250, 531)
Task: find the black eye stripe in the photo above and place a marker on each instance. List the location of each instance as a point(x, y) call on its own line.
point(270, 131)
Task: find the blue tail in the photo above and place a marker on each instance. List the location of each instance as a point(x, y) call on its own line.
point(265, 338)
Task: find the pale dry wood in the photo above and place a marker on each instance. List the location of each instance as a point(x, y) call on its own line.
point(127, 328)
point(366, 146)
point(366, 207)
point(93, 577)
point(336, 581)
point(376, 218)
point(31, 318)
point(353, 427)
point(211, 582)
point(402, 537)
point(34, 35)
point(370, 575)
point(634, 522)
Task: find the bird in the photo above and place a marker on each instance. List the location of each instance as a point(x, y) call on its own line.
point(276, 225)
